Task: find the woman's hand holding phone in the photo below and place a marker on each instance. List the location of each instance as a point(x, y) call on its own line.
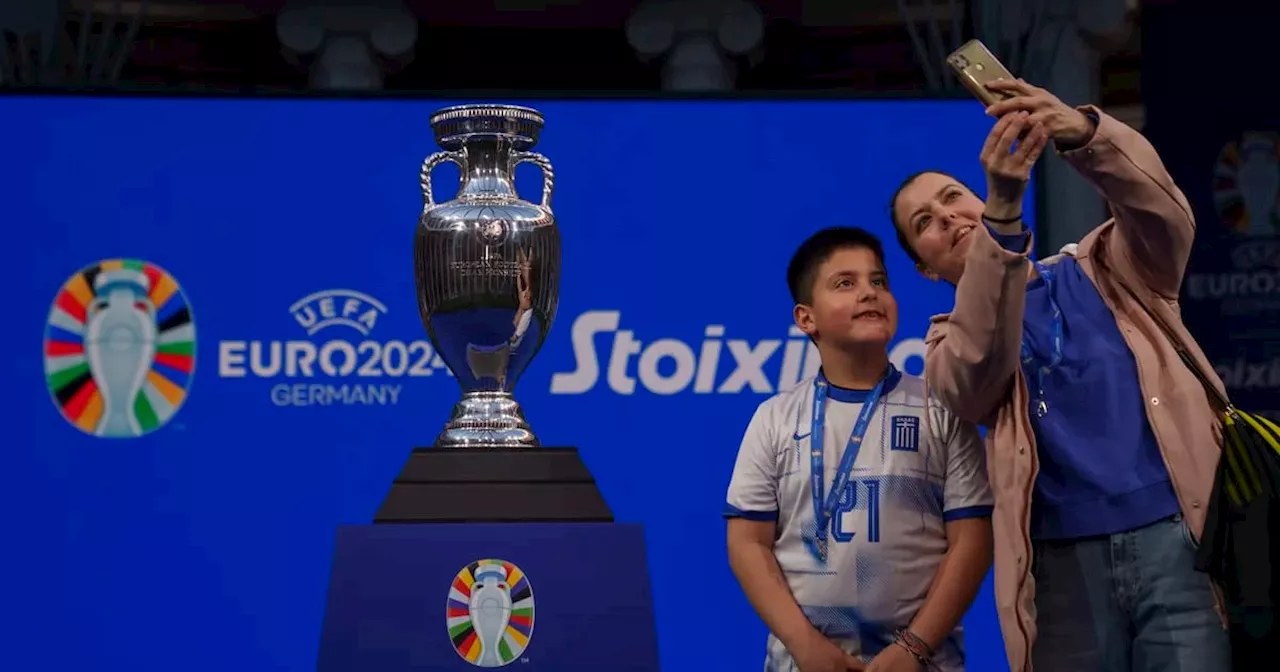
point(1012, 148)
point(1068, 127)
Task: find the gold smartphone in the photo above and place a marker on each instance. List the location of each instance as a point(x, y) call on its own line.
point(976, 67)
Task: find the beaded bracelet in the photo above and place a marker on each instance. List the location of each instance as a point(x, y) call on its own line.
point(916, 646)
point(924, 662)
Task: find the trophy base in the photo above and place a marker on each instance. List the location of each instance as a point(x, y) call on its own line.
point(500, 485)
point(487, 420)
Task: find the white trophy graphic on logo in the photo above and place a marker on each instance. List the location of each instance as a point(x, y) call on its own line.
point(490, 612)
point(120, 346)
point(1259, 182)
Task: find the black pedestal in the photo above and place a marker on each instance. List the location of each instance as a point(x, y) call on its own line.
point(492, 485)
point(526, 530)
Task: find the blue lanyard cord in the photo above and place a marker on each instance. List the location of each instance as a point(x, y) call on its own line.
point(1055, 341)
point(824, 507)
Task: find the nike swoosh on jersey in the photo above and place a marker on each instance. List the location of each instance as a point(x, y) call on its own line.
point(801, 437)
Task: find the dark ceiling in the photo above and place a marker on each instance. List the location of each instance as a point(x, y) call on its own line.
point(544, 45)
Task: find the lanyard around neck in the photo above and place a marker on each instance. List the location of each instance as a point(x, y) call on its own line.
point(824, 507)
point(1055, 342)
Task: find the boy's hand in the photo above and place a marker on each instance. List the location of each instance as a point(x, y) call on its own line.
point(819, 654)
point(894, 658)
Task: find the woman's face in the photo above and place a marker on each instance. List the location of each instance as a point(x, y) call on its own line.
point(937, 215)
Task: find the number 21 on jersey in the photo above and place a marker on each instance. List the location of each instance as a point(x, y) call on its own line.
point(869, 491)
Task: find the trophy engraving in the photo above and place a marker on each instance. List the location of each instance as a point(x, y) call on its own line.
point(487, 268)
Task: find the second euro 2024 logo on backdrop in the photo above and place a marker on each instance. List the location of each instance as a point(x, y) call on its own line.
point(339, 362)
point(489, 613)
point(119, 348)
point(1246, 184)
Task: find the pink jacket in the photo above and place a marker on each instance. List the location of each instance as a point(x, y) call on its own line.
point(973, 364)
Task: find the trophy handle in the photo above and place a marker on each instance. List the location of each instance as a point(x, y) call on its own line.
point(428, 165)
point(548, 173)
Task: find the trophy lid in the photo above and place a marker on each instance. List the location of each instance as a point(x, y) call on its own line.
point(453, 125)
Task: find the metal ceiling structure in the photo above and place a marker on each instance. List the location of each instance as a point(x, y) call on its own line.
point(867, 46)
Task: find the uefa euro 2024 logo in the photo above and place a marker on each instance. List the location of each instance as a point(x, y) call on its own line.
point(1246, 184)
point(119, 348)
point(327, 368)
point(490, 613)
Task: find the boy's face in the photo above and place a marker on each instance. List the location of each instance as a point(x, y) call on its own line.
point(852, 304)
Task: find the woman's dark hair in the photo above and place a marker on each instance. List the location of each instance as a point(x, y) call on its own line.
point(902, 237)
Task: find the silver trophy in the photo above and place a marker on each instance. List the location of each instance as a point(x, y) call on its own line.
point(487, 269)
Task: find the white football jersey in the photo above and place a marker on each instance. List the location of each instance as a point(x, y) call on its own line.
point(918, 467)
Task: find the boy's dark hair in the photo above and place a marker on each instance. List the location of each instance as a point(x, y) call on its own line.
point(893, 201)
point(817, 249)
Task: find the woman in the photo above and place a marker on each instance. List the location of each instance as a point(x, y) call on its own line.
point(1102, 445)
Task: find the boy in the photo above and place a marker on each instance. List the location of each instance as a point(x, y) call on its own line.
point(877, 575)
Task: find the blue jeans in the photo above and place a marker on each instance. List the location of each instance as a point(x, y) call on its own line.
point(1126, 602)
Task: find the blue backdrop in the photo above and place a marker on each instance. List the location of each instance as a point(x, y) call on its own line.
point(205, 543)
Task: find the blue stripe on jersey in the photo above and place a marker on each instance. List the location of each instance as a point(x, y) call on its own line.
point(967, 512)
point(731, 511)
point(852, 396)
